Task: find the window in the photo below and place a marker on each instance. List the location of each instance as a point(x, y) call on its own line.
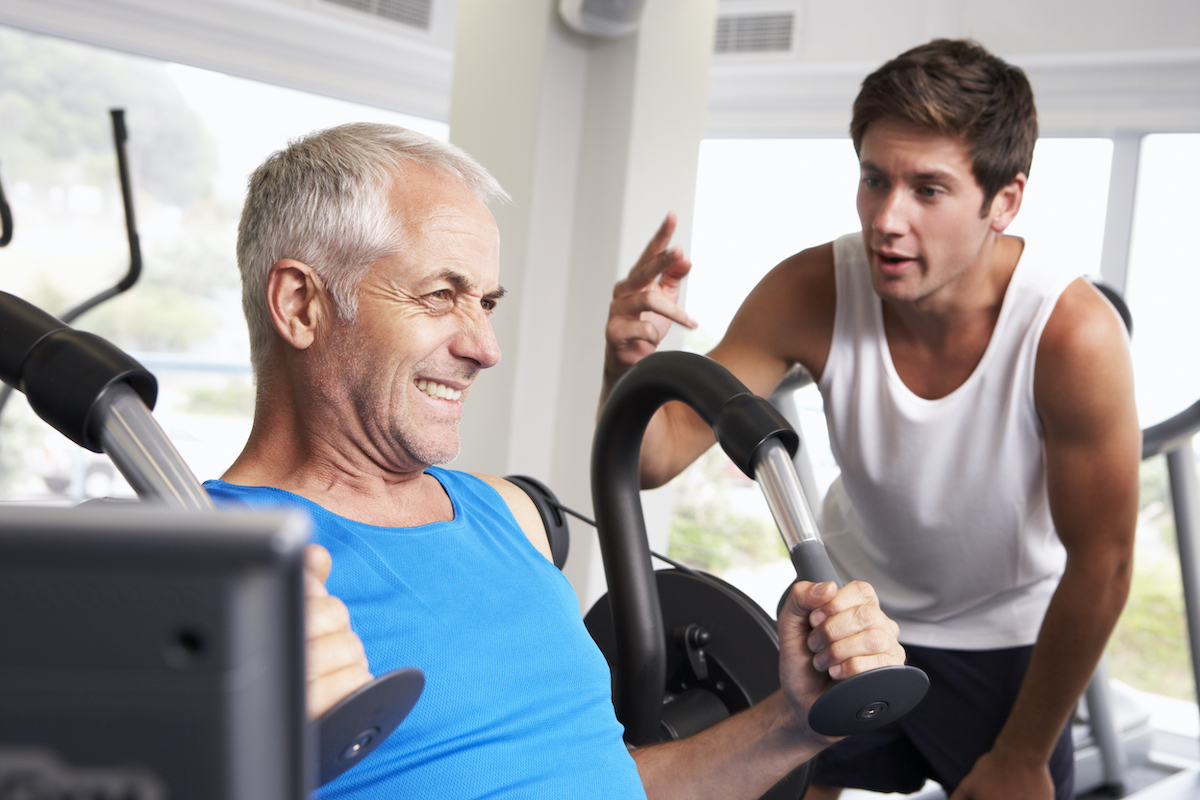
point(194, 137)
point(1164, 285)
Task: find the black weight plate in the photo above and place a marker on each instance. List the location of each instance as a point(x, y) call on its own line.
point(868, 701)
point(358, 724)
point(743, 648)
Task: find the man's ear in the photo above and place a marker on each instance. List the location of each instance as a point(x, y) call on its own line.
point(1007, 203)
point(298, 302)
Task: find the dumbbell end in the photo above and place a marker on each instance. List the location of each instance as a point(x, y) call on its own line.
point(868, 701)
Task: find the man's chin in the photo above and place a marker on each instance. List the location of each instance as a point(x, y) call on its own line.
point(434, 454)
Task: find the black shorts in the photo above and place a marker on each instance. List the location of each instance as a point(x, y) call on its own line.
point(970, 695)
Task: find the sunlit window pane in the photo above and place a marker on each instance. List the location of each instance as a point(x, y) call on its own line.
point(1164, 283)
point(1065, 203)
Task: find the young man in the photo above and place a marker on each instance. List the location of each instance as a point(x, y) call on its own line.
point(370, 269)
point(981, 411)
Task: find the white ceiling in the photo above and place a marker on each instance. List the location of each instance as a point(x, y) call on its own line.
point(1097, 65)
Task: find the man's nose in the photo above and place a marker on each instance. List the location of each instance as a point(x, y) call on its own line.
point(890, 216)
point(477, 341)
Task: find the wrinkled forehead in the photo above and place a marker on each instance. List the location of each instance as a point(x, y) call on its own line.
point(445, 229)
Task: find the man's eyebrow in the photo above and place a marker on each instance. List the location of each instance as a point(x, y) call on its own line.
point(464, 283)
point(931, 175)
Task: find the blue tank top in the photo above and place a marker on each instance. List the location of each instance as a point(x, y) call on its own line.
point(517, 700)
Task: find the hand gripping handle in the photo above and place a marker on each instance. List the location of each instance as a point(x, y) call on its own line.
point(862, 702)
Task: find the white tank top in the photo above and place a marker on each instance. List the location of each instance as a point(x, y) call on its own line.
point(942, 504)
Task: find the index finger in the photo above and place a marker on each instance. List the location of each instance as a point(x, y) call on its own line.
point(661, 237)
point(850, 596)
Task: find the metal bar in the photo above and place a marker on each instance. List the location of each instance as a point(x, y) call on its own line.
point(1181, 469)
point(1171, 432)
point(1118, 221)
point(1104, 728)
point(784, 399)
point(140, 449)
point(776, 476)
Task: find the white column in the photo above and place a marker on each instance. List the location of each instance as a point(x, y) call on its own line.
point(1118, 222)
point(596, 140)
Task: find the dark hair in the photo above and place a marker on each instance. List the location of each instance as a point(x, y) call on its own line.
point(957, 88)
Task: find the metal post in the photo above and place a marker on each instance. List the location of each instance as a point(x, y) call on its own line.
point(1181, 468)
point(134, 441)
point(1104, 729)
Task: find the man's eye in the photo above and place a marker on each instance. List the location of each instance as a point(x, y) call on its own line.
point(440, 294)
point(487, 304)
point(927, 191)
point(872, 181)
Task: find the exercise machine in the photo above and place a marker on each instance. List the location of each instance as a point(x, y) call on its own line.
point(686, 649)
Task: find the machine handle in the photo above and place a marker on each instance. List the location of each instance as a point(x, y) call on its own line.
point(760, 442)
point(722, 401)
point(862, 702)
point(6, 220)
point(99, 397)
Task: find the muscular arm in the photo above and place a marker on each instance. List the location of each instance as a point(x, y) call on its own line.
point(787, 319)
point(1083, 388)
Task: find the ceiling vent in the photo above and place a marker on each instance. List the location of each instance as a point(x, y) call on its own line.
point(755, 33)
point(409, 12)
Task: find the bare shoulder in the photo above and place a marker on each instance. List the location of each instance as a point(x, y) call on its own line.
point(787, 319)
point(1083, 360)
point(523, 510)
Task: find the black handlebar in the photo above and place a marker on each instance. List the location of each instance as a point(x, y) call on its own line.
point(741, 426)
point(131, 276)
point(6, 222)
point(63, 372)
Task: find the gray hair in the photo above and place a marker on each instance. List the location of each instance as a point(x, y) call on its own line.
point(323, 201)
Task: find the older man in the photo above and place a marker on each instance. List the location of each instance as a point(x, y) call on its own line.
point(370, 270)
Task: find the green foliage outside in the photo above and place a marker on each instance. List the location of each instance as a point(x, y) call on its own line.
point(59, 170)
point(234, 398)
point(707, 530)
point(54, 119)
point(1149, 648)
point(56, 143)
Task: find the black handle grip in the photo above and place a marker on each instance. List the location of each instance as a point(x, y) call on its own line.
point(863, 702)
point(64, 372)
point(812, 563)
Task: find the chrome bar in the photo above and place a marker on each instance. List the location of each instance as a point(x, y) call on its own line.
point(1181, 469)
point(140, 449)
point(776, 476)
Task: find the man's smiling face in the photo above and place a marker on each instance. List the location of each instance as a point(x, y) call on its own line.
point(423, 330)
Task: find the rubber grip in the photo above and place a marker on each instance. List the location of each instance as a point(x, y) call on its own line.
point(812, 562)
